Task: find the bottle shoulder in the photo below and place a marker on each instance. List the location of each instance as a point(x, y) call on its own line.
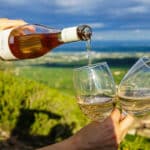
point(35, 28)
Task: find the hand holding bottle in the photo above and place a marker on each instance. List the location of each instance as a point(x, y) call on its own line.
point(32, 40)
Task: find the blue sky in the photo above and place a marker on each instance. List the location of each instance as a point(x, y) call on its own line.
point(110, 19)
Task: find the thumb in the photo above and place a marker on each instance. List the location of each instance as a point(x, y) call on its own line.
point(115, 115)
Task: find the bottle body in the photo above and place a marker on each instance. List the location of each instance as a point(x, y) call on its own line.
point(33, 45)
point(32, 41)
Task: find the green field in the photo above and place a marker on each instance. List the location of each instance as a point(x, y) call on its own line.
point(38, 105)
point(61, 78)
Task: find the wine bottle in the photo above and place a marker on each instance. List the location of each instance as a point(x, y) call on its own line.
point(32, 40)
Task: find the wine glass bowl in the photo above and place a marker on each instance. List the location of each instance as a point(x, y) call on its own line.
point(134, 89)
point(95, 90)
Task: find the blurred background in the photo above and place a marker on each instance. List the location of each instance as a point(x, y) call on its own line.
point(37, 99)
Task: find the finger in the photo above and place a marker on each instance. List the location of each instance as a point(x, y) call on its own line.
point(30, 28)
point(115, 115)
point(126, 123)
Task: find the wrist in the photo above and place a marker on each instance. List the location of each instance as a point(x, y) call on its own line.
point(78, 143)
point(73, 143)
point(68, 144)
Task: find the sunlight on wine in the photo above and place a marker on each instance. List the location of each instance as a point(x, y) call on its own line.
point(96, 107)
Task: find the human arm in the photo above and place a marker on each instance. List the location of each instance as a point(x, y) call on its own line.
point(106, 135)
point(8, 23)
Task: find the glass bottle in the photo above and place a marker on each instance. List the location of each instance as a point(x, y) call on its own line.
point(33, 40)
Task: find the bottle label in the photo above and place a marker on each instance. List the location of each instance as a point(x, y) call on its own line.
point(5, 52)
point(69, 34)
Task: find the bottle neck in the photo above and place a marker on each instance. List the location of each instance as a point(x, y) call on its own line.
point(69, 35)
point(78, 33)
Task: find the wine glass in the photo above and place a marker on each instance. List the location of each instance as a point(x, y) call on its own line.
point(134, 89)
point(95, 90)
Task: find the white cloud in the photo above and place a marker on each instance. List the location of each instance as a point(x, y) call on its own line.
point(78, 3)
point(143, 1)
point(14, 2)
point(97, 37)
point(89, 7)
point(138, 9)
point(129, 11)
point(122, 35)
point(137, 30)
point(69, 3)
point(96, 25)
point(77, 7)
point(59, 6)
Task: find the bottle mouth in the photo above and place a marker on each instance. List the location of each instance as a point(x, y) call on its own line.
point(84, 32)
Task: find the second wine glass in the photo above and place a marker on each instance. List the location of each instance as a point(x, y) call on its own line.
point(134, 89)
point(95, 90)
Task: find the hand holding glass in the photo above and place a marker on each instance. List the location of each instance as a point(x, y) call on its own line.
point(95, 90)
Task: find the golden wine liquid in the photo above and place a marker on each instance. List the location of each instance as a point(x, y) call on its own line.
point(88, 48)
point(96, 107)
point(33, 45)
point(134, 105)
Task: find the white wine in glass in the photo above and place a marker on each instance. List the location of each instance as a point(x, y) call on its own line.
point(95, 90)
point(134, 89)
